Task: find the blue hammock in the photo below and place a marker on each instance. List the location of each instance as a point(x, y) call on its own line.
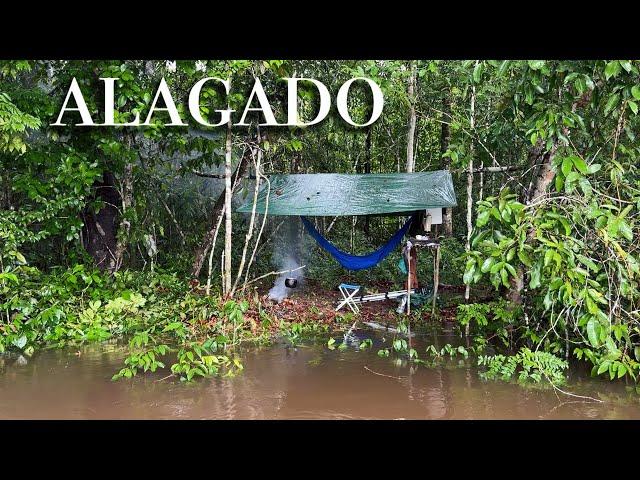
point(357, 262)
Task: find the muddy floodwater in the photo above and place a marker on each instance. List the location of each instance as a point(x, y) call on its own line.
point(280, 382)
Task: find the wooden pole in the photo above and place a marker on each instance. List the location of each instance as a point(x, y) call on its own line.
point(436, 278)
point(409, 283)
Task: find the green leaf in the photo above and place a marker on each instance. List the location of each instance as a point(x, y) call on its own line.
point(612, 102)
point(635, 91)
point(468, 275)
point(536, 64)
point(604, 366)
point(587, 262)
point(567, 165)
point(585, 186)
point(593, 168)
point(20, 342)
point(483, 218)
point(548, 256)
point(535, 277)
point(503, 67)
point(625, 230)
point(580, 165)
point(626, 64)
point(524, 258)
point(510, 269)
point(633, 106)
point(505, 277)
point(487, 264)
point(496, 267)
point(612, 69)
point(592, 334)
point(573, 176)
point(477, 72)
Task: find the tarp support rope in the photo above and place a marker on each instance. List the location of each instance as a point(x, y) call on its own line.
point(358, 262)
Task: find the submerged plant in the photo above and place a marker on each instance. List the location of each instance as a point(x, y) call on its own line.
point(200, 360)
point(144, 356)
point(527, 365)
point(447, 350)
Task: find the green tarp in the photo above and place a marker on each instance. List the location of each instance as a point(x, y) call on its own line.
point(333, 194)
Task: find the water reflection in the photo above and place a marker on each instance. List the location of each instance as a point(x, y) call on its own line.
point(280, 382)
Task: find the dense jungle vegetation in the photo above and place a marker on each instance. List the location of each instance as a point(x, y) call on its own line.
point(122, 231)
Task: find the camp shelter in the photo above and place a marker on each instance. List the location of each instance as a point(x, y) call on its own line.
point(337, 194)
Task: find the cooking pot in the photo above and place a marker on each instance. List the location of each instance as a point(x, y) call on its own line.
point(291, 282)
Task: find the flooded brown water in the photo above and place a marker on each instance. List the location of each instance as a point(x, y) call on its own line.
point(279, 382)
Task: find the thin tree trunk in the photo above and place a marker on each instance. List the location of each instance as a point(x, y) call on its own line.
point(467, 247)
point(126, 195)
point(211, 250)
point(264, 221)
point(445, 140)
point(412, 278)
point(412, 119)
point(249, 234)
point(481, 192)
point(367, 169)
point(218, 210)
point(228, 227)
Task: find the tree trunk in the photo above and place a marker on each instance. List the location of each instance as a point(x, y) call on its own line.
point(218, 210)
point(249, 235)
point(412, 119)
point(367, 169)
point(467, 247)
point(546, 174)
point(226, 288)
point(541, 182)
point(99, 228)
point(445, 139)
point(125, 225)
point(538, 186)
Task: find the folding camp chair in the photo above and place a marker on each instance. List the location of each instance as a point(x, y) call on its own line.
point(348, 293)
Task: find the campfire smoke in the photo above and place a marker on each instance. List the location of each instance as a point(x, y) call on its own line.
point(286, 256)
point(280, 291)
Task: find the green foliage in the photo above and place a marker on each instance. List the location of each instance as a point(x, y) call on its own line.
point(200, 360)
point(447, 350)
point(162, 315)
point(292, 333)
point(529, 366)
point(144, 357)
point(568, 255)
point(496, 318)
point(14, 125)
point(296, 332)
